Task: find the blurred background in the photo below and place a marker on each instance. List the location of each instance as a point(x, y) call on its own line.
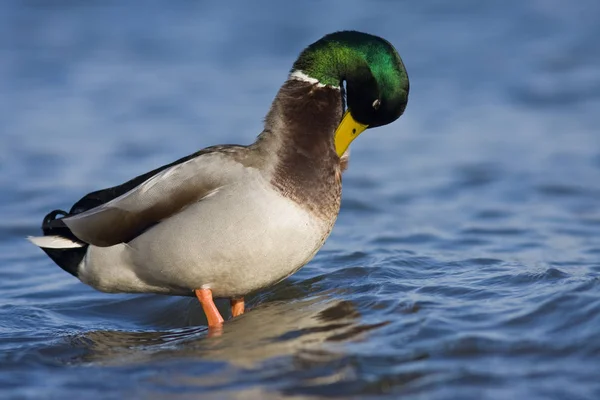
point(465, 262)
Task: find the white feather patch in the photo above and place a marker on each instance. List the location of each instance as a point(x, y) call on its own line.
point(54, 242)
point(301, 76)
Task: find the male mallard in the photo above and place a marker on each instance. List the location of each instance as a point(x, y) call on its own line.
point(229, 220)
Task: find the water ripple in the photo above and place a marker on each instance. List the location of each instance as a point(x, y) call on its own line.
point(464, 262)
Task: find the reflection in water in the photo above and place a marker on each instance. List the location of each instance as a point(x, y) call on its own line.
point(271, 330)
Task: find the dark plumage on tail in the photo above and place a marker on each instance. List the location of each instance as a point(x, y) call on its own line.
point(68, 258)
point(59, 243)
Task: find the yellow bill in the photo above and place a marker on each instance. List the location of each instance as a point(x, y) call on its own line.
point(346, 132)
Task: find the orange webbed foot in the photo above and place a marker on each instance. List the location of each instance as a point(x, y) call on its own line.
point(215, 320)
point(237, 306)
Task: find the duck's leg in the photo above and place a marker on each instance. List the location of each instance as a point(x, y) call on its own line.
point(237, 306)
point(210, 309)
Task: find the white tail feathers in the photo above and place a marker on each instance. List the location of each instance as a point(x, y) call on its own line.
point(54, 242)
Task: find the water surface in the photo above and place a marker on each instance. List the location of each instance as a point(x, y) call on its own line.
point(465, 262)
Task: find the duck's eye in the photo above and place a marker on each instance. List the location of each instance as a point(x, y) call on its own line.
point(376, 104)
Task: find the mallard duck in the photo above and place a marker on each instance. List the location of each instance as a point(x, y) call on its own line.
point(229, 220)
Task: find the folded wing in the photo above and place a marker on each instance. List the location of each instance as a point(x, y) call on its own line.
point(162, 195)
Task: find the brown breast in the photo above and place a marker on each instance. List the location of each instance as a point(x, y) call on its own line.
point(308, 169)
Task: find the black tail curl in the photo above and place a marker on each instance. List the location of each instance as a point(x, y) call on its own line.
point(68, 259)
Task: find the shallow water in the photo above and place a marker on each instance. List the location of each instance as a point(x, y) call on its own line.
point(465, 262)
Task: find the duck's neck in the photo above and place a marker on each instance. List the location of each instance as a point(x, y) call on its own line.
point(299, 134)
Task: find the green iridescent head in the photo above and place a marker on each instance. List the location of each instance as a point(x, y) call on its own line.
point(376, 79)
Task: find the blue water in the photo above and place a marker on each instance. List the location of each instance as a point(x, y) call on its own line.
point(465, 263)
